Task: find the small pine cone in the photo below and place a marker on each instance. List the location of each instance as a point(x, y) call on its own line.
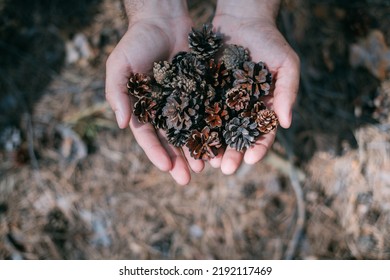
point(203, 144)
point(266, 121)
point(240, 133)
point(254, 77)
point(185, 84)
point(254, 110)
point(191, 67)
point(216, 115)
point(219, 75)
point(163, 72)
point(145, 109)
point(204, 43)
point(138, 85)
point(176, 137)
point(179, 113)
point(234, 56)
point(237, 99)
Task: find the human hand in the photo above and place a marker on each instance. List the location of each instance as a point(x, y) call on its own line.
point(252, 25)
point(157, 31)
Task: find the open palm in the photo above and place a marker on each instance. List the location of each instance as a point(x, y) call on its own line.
point(265, 43)
point(145, 42)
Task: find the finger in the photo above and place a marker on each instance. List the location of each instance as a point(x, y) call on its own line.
point(231, 161)
point(286, 89)
point(179, 171)
point(257, 152)
point(196, 165)
point(146, 137)
point(116, 92)
point(216, 161)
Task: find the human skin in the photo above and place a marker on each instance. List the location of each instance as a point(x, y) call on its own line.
point(157, 30)
point(251, 23)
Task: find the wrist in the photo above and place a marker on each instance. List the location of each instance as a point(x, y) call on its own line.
point(266, 10)
point(146, 9)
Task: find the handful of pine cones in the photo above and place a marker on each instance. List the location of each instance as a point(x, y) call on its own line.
point(204, 102)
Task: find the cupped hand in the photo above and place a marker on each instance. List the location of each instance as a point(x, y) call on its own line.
point(265, 43)
point(146, 41)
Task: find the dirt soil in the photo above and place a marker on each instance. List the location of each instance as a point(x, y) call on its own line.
point(74, 186)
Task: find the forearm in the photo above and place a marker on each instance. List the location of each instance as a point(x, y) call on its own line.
point(139, 9)
point(264, 9)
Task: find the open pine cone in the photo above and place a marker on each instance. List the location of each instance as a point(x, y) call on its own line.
point(204, 43)
point(254, 77)
point(205, 103)
point(240, 133)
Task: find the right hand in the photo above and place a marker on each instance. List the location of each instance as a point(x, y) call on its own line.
point(147, 40)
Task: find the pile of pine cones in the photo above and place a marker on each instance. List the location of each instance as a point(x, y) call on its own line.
point(203, 102)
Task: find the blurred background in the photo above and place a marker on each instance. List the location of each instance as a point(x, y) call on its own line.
point(74, 186)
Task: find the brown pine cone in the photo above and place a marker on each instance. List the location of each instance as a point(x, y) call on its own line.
point(253, 111)
point(266, 120)
point(234, 56)
point(138, 85)
point(185, 84)
point(145, 109)
point(204, 43)
point(254, 77)
point(163, 72)
point(237, 99)
point(191, 67)
point(218, 75)
point(180, 111)
point(216, 115)
point(176, 137)
point(203, 144)
point(240, 133)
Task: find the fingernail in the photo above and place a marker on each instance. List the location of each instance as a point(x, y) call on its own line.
point(119, 118)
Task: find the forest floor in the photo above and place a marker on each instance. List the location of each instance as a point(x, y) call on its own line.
point(74, 186)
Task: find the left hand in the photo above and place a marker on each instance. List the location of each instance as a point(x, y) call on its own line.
point(267, 44)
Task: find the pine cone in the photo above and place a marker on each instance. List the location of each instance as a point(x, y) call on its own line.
point(191, 67)
point(234, 56)
point(254, 77)
point(138, 85)
point(218, 75)
point(216, 115)
point(179, 113)
point(145, 109)
point(237, 99)
point(254, 110)
point(203, 144)
point(266, 121)
point(178, 57)
point(204, 43)
point(176, 137)
point(185, 84)
point(163, 72)
point(240, 133)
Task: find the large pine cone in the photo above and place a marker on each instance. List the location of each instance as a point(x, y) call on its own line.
point(204, 43)
point(234, 56)
point(204, 144)
point(138, 85)
point(240, 133)
point(254, 77)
